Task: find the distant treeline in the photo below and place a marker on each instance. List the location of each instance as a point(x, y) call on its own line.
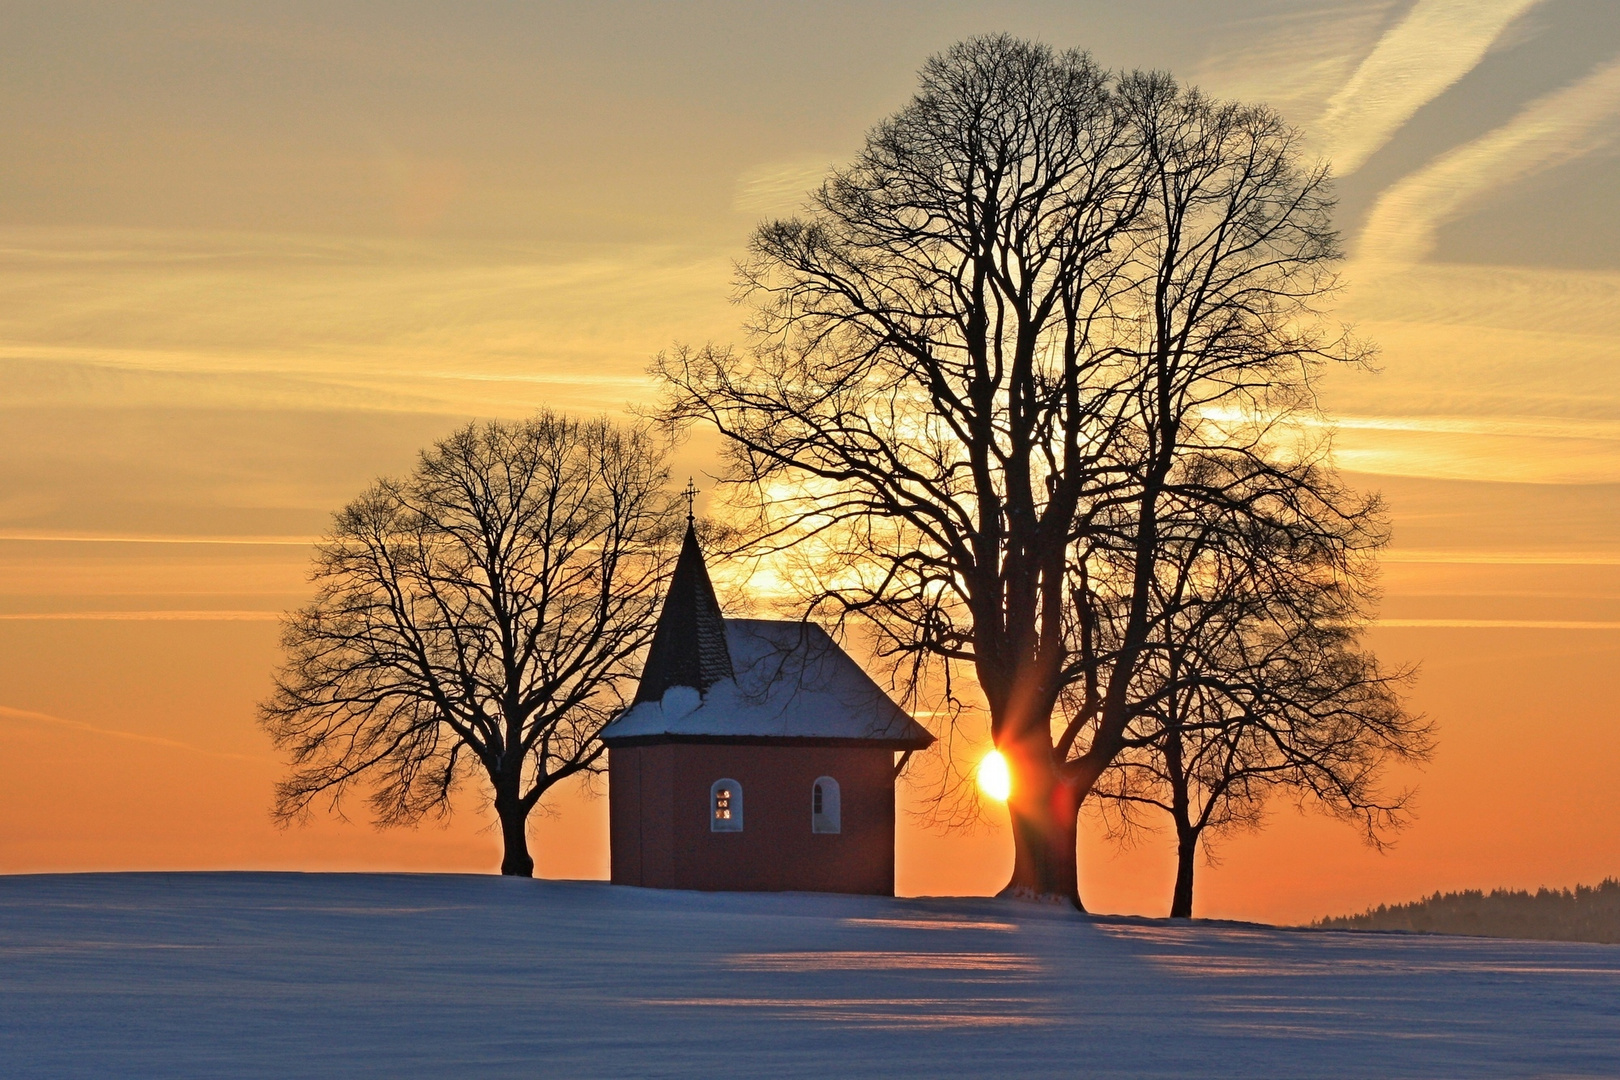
point(1586, 913)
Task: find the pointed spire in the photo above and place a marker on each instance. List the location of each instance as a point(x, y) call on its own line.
point(689, 644)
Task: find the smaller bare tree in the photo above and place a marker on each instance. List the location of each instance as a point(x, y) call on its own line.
point(1256, 683)
point(482, 614)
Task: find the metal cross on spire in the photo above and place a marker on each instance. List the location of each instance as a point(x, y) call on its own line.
point(691, 494)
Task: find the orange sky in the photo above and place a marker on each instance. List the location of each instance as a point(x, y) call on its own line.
point(250, 260)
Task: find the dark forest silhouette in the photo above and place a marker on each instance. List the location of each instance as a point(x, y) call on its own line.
point(1584, 913)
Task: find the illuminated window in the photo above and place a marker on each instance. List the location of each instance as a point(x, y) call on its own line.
point(824, 806)
point(725, 806)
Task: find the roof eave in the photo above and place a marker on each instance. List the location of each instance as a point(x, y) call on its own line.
point(902, 742)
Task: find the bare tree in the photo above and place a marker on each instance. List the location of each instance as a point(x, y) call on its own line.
point(1256, 683)
point(480, 615)
point(981, 358)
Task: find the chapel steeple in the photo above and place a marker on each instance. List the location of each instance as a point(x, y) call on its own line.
point(689, 644)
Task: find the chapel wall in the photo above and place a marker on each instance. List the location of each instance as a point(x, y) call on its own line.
point(776, 850)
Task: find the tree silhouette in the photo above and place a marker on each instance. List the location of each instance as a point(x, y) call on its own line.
point(983, 362)
point(1256, 683)
point(480, 615)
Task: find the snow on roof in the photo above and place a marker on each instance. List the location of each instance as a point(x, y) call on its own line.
point(791, 681)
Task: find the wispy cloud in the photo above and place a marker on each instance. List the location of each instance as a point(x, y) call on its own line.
point(1523, 449)
point(231, 541)
point(1435, 45)
point(1550, 131)
point(779, 187)
point(1451, 457)
point(1536, 427)
point(1294, 57)
point(1502, 624)
point(141, 616)
point(1502, 558)
point(291, 321)
point(28, 716)
point(1546, 309)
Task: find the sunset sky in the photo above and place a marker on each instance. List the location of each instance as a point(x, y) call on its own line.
point(252, 256)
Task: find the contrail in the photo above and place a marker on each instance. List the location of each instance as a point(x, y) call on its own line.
point(141, 616)
point(28, 716)
point(1423, 55)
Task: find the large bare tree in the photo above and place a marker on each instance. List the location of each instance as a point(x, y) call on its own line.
point(478, 616)
point(982, 359)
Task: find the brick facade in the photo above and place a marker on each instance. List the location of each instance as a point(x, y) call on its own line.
point(660, 809)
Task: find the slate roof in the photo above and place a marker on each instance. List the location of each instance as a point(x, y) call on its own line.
point(791, 681)
point(709, 677)
point(689, 643)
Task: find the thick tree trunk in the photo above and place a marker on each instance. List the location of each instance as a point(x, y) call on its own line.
point(1186, 851)
point(1045, 819)
point(515, 859)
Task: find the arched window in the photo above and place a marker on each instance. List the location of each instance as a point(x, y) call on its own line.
point(824, 806)
point(725, 806)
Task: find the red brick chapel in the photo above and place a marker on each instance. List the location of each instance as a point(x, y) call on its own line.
point(757, 756)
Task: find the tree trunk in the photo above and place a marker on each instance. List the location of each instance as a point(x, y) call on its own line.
point(1181, 814)
point(515, 859)
point(1186, 851)
point(1045, 823)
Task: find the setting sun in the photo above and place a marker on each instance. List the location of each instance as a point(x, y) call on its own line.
point(994, 778)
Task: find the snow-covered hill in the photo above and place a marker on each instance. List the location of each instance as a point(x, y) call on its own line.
point(283, 975)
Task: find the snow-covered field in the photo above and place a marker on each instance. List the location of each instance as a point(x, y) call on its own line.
point(281, 975)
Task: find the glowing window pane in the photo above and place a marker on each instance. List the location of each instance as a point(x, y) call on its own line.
point(726, 806)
